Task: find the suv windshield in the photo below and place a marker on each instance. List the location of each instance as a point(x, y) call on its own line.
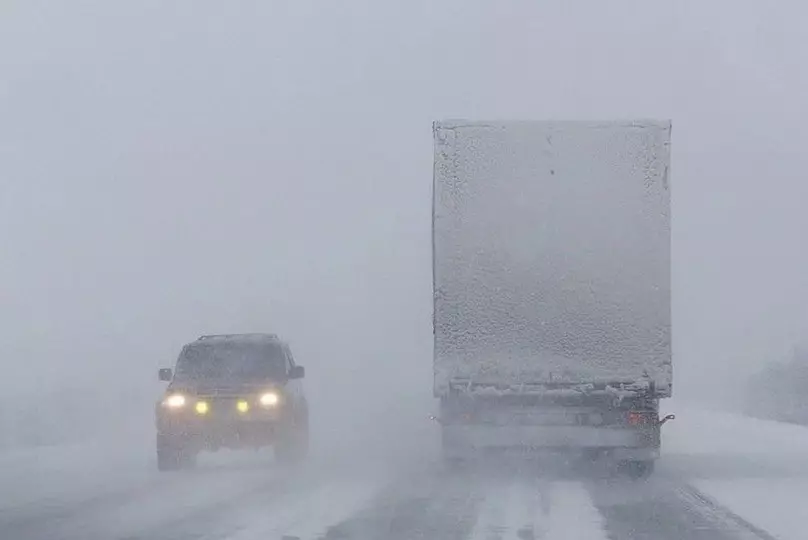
point(232, 361)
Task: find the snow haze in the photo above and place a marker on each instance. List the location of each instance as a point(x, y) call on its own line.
point(173, 169)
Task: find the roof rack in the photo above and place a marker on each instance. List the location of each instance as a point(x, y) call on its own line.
point(225, 336)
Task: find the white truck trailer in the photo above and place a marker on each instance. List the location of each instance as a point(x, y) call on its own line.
point(551, 282)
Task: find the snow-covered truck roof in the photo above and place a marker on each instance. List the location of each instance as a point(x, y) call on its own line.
point(551, 255)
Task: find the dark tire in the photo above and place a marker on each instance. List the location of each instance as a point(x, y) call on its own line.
point(173, 455)
point(454, 464)
point(638, 470)
point(293, 446)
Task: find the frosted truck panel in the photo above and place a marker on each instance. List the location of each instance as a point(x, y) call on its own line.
point(551, 254)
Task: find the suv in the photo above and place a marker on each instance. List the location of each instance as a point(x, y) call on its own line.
point(232, 391)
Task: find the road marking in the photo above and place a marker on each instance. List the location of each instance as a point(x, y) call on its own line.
point(572, 514)
point(524, 510)
point(491, 515)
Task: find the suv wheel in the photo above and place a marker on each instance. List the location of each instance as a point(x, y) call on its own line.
point(172, 455)
point(293, 446)
point(637, 470)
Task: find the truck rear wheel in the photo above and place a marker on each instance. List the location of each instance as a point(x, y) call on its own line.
point(453, 458)
point(637, 470)
point(453, 463)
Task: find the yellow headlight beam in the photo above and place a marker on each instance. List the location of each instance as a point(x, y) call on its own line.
point(175, 401)
point(202, 407)
point(242, 406)
point(270, 399)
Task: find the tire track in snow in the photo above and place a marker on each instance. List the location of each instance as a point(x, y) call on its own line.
point(181, 506)
point(83, 516)
point(573, 513)
point(300, 503)
point(721, 511)
point(477, 506)
point(204, 503)
point(491, 513)
point(663, 509)
point(510, 510)
point(523, 509)
point(440, 506)
point(307, 515)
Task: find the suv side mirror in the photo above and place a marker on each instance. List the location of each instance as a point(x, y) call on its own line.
point(164, 374)
point(297, 372)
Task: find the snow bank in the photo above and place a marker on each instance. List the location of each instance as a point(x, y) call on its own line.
point(775, 507)
point(552, 252)
point(755, 468)
point(699, 431)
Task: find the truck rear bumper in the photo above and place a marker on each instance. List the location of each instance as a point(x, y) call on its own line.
point(624, 444)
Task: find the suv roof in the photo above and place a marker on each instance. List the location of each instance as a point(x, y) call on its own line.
point(242, 338)
point(253, 336)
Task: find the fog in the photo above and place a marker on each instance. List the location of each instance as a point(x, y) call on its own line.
point(174, 169)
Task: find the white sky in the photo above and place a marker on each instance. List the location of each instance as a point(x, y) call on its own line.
point(169, 169)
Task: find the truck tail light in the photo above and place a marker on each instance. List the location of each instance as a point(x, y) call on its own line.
point(641, 418)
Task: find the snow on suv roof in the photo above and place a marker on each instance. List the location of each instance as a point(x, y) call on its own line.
point(240, 337)
point(273, 337)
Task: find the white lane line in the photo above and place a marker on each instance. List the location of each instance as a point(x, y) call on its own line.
point(523, 510)
point(510, 511)
point(572, 514)
point(491, 524)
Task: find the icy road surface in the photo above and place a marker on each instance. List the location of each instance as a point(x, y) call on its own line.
point(722, 477)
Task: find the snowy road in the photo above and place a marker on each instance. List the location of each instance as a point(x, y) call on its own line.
point(255, 500)
point(718, 491)
point(505, 507)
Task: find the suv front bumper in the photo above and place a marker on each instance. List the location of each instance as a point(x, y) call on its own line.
point(212, 431)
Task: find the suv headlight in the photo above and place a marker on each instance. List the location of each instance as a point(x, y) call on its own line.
point(174, 401)
point(270, 399)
